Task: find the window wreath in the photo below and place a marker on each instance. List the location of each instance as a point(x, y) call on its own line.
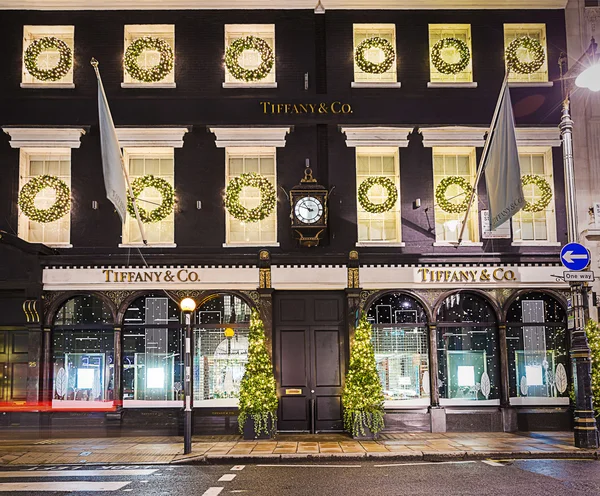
point(166, 192)
point(33, 187)
point(545, 189)
point(446, 67)
point(445, 204)
point(535, 49)
point(377, 208)
point(60, 70)
point(268, 197)
point(233, 52)
point(371, 67)
point(155, 73)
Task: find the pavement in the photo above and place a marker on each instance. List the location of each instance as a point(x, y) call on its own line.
point(292, 448)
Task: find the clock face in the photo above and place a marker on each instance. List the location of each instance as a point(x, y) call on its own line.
point(308, 210)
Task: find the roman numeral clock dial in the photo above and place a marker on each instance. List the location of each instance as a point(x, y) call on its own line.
point(309, 210)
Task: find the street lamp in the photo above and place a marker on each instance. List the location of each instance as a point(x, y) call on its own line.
point(586, 434)
point(188, 305)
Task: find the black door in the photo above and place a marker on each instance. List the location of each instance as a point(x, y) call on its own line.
point(309, 353)
point(13, 366)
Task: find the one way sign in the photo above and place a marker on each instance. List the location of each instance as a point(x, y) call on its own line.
point(575, 256)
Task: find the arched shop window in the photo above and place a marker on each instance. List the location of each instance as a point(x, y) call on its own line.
point(537, 350)
point(468, 354)
point(83, 354)
point(221, 340)
point(401, 349)
point(152, 352)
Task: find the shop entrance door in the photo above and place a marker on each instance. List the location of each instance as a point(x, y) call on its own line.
point(14, 347)
point(309, 355)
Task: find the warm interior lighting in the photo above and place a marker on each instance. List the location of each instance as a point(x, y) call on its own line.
point(187, 305)
point(590, 78)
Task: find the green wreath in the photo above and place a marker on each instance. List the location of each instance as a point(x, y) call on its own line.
point(371, 67)
point(545, 189)
point(166, 192)
point(28, 193)
point(445, 67)
point(55, 73)
point(233, 52)
point(155, 73)
point(268, 197)
point(444, 203)
point(535, 49)
point(377, 208)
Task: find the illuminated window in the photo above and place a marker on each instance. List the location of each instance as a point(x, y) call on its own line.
point(538, 33)
point(251, 59)
point(151, 57)
point(454, 162)
point(38, 162)
point(375, 55)
point(259, 160)
point(536, 226)
point(158, 162)
point(450, 53)
point(381, 227)
point(48, 58)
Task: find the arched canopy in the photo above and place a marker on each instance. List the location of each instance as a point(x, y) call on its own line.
point(465, 307)
point(397, 308)
point(82, 310)
point(550, 308)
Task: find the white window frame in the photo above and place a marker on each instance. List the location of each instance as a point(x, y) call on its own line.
point(265, 31)
point(26, 155)
point(463, 79)
point(474, 213)
point(64, 33)
point(538, 78)
point(550, 210)
point(165, 32)
point(249, 152)
point(131, 223)
point(388, 79)
point(378, 152)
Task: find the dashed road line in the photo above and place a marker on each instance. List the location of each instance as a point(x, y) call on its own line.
point(213, 491)
point(238, 467)
point(493, 463)
point(227, 478)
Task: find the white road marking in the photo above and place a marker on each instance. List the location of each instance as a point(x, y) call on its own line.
point(227, 478)
point(212, 491)
point(492, 463)
point(35, 487)
point(313, 466)
point(421, 463)
point(238, 467)
point(74, 473)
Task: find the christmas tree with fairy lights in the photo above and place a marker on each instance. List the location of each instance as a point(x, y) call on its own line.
point(593, 337)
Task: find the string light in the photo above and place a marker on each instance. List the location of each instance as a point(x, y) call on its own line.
point(152, 74)
point(534, 49)
point(545, 189)
point(239, 45)
point(59, 208)
point(268, 197)
point(60, 70)
point(444, 203)
point(593, 336)
point(166, 191)
point(389, 55)
point(446, 67)
point(376, 208)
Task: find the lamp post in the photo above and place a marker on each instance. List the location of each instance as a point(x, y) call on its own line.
point(188, 305)
point(586, 433)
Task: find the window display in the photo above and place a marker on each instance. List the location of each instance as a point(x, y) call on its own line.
point(468, 356)
point(401, 349)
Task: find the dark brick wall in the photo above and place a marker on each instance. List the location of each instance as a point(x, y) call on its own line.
point(318, 44)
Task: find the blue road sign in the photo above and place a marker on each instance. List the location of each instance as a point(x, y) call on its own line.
point(575, 256)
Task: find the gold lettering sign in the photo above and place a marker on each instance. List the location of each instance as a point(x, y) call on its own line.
point(466, 275)
point(306, 108)
point(180, 275)
point(293, 391)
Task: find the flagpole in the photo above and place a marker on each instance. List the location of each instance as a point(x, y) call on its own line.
point(486, 148)
point(94, 63)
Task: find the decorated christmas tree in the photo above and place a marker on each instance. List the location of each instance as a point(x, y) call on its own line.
point(363, 396)
point(593, 336)
point(258, 397)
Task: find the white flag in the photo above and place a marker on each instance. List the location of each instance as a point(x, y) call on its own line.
point(502, 170)
point(114, 180)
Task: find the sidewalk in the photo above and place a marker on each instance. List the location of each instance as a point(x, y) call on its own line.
point(232, 449)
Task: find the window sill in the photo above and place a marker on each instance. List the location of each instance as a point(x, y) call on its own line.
point(536, 243)
point(374, 84)
point(150, 245)
point(149, 85)
point(250, 85)
point(453, 84)
point(533, 84)
point(49, 86)
point(455, 243)
point(244, 245)
point(379, 244)
point(539, 401)
point(59, 245)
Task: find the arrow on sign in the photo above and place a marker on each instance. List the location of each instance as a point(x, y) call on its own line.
point(569, 256)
